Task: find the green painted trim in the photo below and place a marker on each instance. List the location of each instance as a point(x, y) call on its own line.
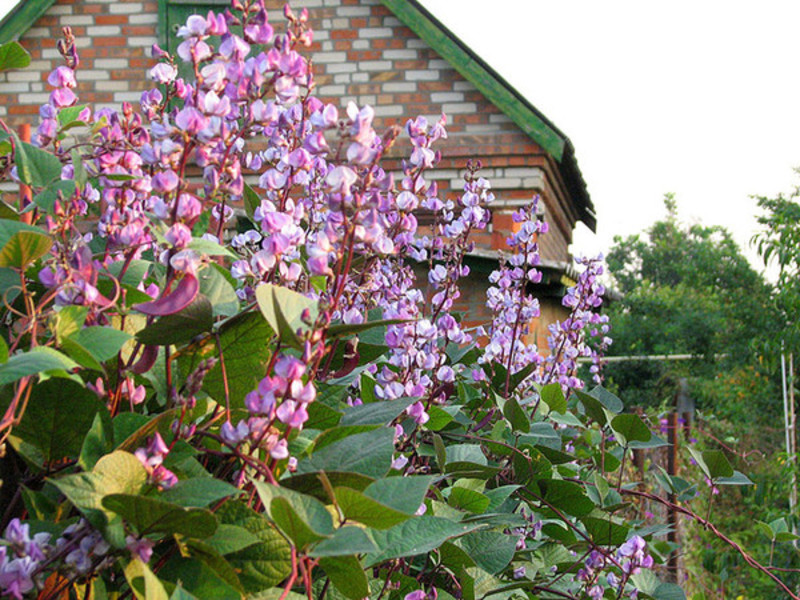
point(21, 18)
point(491, 85)
point(162, 24)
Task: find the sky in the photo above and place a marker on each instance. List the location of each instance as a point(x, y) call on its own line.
point(701, 99)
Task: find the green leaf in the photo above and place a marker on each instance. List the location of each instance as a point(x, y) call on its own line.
point(630, 428)
point(260, 565)
point(40, 359)
point(211, 248)
point(356, 506)
point(553, 396)
point(251, 201)
point(368, 453)
point(36, 167)
point(516, 416)
point(24, 248)
point(151, 515)
point(415, 536)
point(195, 319)
point(58, 416)
point(607, 399)
point(116, 473)
point(199, 492)
point(347, 575)
point(283, 309)
point(97, 442)
point(46, 199)
point(302, 518)
point(469, 500)
point(375, 413)
point(346, 541)
point(713, 463)
point(605, 532)
point(102, 343)
point(144, 582)
point(567, 496)
point(69, 114)
point(199, 577)
point(13, 56)
point(215, 285)
point(405, 494)
point(738, 478)
point(231, 538)
point(492, 551)
point(245, 345)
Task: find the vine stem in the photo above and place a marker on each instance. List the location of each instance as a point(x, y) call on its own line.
point(292, 578)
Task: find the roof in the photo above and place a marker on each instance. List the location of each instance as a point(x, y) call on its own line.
point(503, 95)
point(463, 59)
point(21, 17)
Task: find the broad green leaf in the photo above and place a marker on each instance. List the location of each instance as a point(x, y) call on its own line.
point(214, 561)
point(469, 500)
point(132, 432)
point(231, 538)
point(375, 413)
point(215, 285)
point(69, 114)
point(24, 248)
point(492, 551)
point(713, 463)
point(102, 343)
point(607, 399)
point(567, 496)
point(630, 428)
point(283, 309)
point(143, 581)
point(40, 359)
point(345, 541)
point(97, 442)
point(358, 507)
point(405, 494)
point(69, 320)
point(347, 575)
point(58, 416)
point(13, 56)
point(554, 398)
point(368, 453)
point(3, 351)
point(36, 167)
point(198, 492)
point(415, 536)
point(211, 248)
point(302, 518)
point(311, 484)
point(260, 565)
point(197, 577)
point(605, 532)
point(45, 200)
point(152, 515)
point(251, 201)
point(516, 416)
point(738, 478)
point(245, 345)
point(116, 473)
point(195, 319)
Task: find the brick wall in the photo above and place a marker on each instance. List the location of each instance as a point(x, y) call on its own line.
point(362, 52)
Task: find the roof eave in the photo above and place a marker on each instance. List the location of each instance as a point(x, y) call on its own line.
point(502, 94)
point(21, 18)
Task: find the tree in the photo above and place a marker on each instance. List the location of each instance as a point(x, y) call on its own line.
point(687, 289)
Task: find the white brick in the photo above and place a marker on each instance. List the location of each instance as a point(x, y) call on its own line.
point(321, 36)
point(399, 86)
point(460, 108)
point(463, 86)
point(346, 67)
point(104, 30)
point(389, 110)
point(340, 23)
point(40, 65)
point(83, 42)
point(15, 88)
point(367, 99)
point(37, 87)
point(331, 90)
point(342, 78)
point(114, 86)
point(416, 43)
point(110, 63)
point(96, 74)
point(354, 11)
point(360, 78)
point(375, 32)
point(440, 97)
point(391, 21)
point(145, 41)
point(327, 46)
point(499, 118)
point(438, 63)
point(400, 54)
point(126, 9)
point(422, 75)
point(144, 19)
point(361, 45)
point(50, 53)
point(16, 76)
point(76, 20)
point(38, 32)
point(132, 97)
point(374, 65)
point(36, 98)
point(330, 57)
point(60, 9)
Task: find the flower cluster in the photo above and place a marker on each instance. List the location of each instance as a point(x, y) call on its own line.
point(152, 459)
point(20, 558)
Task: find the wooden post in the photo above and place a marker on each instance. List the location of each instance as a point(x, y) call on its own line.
point(672, 469)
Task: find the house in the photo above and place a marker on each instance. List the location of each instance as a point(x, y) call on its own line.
point(391, 54)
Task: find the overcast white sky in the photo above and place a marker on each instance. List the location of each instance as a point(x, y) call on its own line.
point(699, 98)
